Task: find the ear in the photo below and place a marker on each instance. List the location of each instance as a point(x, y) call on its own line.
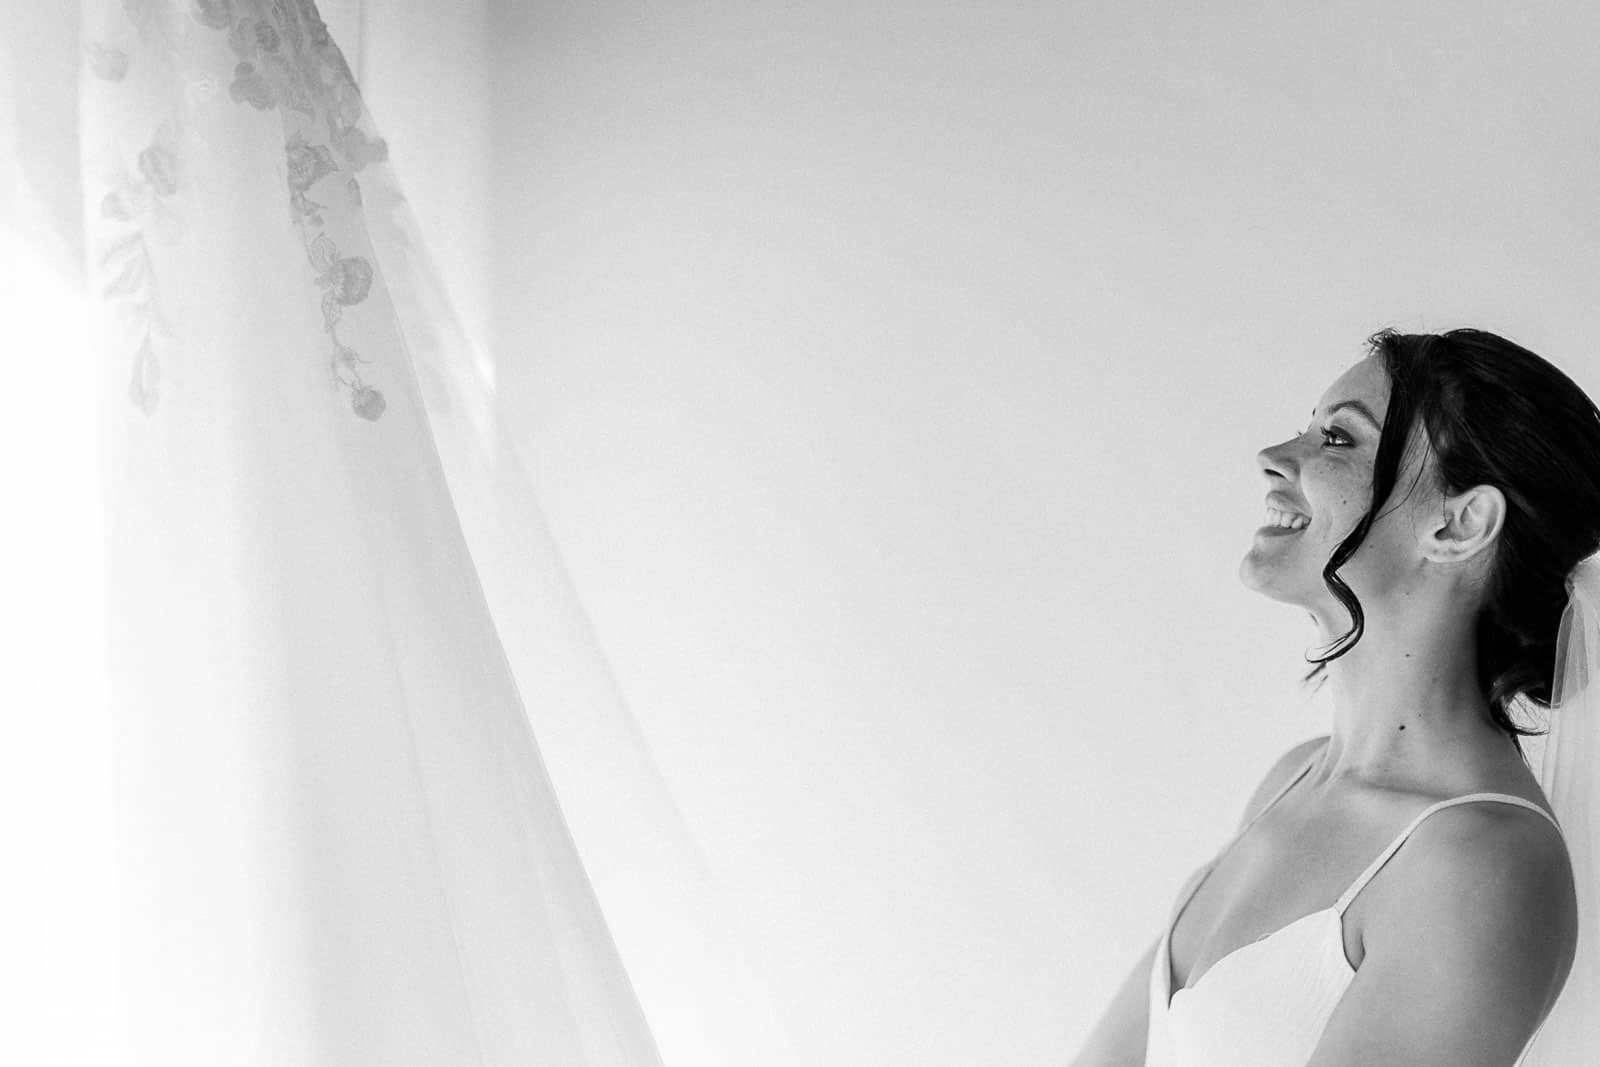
point(1466, 525)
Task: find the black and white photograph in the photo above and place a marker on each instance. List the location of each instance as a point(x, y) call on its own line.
point(635, 533)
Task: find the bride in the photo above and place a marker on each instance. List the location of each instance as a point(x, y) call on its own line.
point(1399, 891)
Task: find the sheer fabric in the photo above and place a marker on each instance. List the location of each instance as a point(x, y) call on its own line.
point(335, 623)
point(1569, 774)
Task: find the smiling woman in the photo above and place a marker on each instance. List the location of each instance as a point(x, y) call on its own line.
point(1437, 522)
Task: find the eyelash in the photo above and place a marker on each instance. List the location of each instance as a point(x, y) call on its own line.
point(1335, 433)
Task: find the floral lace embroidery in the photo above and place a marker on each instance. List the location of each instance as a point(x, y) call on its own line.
point(284, 60)
point(126, 261)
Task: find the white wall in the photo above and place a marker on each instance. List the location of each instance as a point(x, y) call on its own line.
point(893, 373)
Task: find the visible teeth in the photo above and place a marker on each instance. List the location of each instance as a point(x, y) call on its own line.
point(1284, 519)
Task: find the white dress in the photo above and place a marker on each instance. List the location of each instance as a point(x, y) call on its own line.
point(1265, 1004)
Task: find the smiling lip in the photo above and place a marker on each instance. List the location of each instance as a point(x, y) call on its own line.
point(1278, 531)
point(1278, 503)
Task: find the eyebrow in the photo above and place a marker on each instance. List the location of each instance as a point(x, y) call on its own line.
point(1357, 405)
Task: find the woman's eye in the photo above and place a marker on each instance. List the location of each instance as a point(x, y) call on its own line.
point(1326, 434)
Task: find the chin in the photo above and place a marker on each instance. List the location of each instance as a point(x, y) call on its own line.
point(1265, 576)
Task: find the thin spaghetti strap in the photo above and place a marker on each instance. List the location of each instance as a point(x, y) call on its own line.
point(1201, 872)
point(1290, 784)
point(1400, 839)
point(1509, 799)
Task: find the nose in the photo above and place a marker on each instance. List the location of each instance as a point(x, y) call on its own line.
point(1277, 459)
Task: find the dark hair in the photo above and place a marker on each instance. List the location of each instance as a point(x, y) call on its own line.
point(1495, 414)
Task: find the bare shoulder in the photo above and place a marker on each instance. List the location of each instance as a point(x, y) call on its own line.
point(1492, 885)
point(1279, 773)
point(1469, 947)
point(1483, 865)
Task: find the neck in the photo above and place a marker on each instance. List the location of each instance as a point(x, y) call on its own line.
point(1407, 707)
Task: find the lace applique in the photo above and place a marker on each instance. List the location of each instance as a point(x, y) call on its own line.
point(282, 59)
point(286, 60)
point(126, 264)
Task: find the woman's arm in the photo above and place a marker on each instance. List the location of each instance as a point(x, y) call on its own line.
point(1118, 1038)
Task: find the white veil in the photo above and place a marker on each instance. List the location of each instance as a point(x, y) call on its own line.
point(376, 799)
point(1569, 773)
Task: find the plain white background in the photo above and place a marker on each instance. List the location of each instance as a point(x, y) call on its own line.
point(892, 375)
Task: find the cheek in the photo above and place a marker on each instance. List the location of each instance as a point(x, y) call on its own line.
point(1334, 487)
point(1339, 484)
point(1338, 499)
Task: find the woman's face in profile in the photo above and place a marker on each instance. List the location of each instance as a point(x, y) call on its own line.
point(1324, 475)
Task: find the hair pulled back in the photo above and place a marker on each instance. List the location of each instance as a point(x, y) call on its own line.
point(1494, 414)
